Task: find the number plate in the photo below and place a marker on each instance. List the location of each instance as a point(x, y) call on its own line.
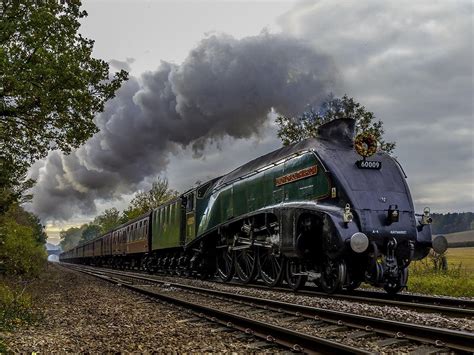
point(369, 164)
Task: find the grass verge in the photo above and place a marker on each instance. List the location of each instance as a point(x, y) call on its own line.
point(16, 308)
point(457, 280)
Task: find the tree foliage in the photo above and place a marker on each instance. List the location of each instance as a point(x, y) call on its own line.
point(296, 129)
point(108, 219)
point(145, 201)
point(90, 232)
point(22, 238)
point(452, 222)
point(70, 237)
point(28, 219)
point(51, 87)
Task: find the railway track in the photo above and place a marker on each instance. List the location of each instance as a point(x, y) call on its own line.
point(298, 327)
point(443, 305)
point(420, 303)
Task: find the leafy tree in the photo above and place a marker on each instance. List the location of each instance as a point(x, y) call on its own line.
point(296, 129)
point(90, 232)
point(22, 238)
point(51, 87)
point(71, 237)
point(13, 183)
point(145, 201)
point(28, 219)
point(108, 220)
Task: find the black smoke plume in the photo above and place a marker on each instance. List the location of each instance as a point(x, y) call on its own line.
point(225, 87)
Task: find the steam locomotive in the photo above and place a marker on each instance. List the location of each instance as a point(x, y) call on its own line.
point(311, 211)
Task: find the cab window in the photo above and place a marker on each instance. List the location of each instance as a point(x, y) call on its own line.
point(190, 202)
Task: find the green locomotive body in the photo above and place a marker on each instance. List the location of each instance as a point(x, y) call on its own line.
point(297, 177)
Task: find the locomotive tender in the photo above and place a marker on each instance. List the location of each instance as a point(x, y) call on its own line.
point(308, 211)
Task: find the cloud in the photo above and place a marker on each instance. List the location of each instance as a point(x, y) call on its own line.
point(411, 63)
point(225, 88)
point(119, 65)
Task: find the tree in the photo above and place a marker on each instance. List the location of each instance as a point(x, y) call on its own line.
point(296, 129)
point(147, 200)
point(27, 219)
point(51, 87)
point(71, 237)
point(90, 232)
point(108, 220)
point(22, 241)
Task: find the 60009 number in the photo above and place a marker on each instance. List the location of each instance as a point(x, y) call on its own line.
point(369, 164)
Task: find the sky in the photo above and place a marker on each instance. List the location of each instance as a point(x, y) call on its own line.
point(208, 77)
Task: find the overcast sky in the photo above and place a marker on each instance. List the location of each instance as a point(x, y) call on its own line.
point(205, 75)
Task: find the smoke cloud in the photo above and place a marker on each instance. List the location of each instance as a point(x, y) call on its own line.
point(224, 88)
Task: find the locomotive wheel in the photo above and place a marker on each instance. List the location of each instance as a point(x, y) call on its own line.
point(224, 263)
point(246, 264)
point(333, 275)
point(271, 267)
point(392, 287)
point(292, 269)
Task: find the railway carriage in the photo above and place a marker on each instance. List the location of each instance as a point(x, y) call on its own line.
point(313, 210)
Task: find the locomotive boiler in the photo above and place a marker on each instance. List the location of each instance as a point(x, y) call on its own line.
point(319, 210)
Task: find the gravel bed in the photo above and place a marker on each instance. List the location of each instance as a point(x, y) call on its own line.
point(316, 328)
point(84, 314)
point(385, 312)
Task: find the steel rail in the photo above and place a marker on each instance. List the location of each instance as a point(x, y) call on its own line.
point(458, 340)
point(422, 303)
point(293, 340)
point(444, 305)
point(403, 297)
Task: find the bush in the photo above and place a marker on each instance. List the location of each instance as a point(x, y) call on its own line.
point(20, 253)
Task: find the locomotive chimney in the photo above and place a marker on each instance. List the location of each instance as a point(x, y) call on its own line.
point(340, 130)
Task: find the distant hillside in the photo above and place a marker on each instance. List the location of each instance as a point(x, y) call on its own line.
point(460, 239)
point(452, 222)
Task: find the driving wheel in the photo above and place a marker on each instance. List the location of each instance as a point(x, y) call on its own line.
point(224, 263)
point(246, 264)
point(294, 274)
point(271, 267)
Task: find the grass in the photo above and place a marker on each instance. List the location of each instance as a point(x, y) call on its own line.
point(15, 307)
point(457, 280)
point(15, 310)
point(461, 257)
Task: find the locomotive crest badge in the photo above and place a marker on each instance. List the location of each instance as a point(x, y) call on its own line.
point(365, 145)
